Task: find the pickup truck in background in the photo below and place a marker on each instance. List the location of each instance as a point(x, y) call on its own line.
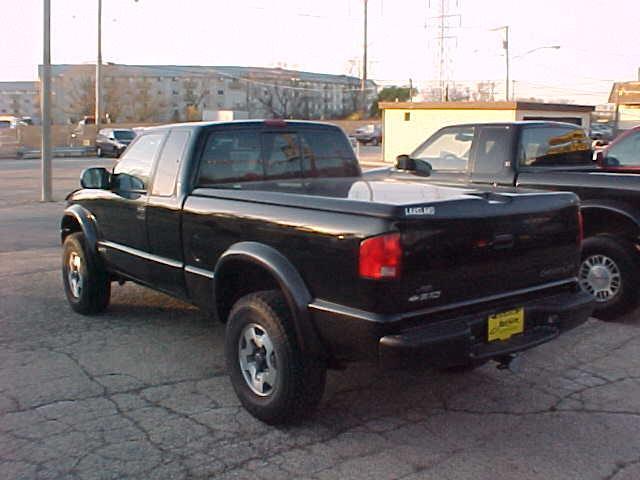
point(548, 156)
point(271, 227)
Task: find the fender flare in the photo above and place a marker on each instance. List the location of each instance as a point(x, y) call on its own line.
point(613, 207)
point(291, 283)
point(87, 224)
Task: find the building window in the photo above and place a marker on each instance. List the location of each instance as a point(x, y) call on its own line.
point(174, 92)
point(220, 92)
point(407, 116)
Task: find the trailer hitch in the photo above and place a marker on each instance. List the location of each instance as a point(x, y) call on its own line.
point(510, 361)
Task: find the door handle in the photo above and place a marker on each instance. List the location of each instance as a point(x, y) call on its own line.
point(504, 241)
point(141, 212)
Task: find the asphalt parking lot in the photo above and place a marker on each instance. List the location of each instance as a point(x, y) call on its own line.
point(141, 391)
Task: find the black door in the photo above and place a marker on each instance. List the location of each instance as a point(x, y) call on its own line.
point(164, 217)
point(122, 218)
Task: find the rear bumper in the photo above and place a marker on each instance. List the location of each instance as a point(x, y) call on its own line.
point(456, 340)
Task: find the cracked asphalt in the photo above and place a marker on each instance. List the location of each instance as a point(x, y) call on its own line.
point(141, 391)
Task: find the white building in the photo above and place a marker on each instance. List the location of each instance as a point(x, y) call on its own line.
point(161, 93)
point(20, 99)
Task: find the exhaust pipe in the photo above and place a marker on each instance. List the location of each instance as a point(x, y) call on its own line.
point(510, 362)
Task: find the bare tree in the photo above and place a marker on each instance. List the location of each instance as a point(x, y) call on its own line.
point(82, 98)
point(113, 99)
point(194, 94)
point(147, 107)
point(15, 105)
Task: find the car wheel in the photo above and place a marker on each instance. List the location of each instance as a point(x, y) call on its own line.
point(86, 282)
point(99, 152)
point(609, 272)
point(272, 378)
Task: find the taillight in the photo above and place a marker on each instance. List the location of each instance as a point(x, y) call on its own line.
point(580, 228)
point(380, 257)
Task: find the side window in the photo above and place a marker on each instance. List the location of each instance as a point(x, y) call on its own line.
point(449, 150)
point(554, 146)
point(625, 152)
point(133, 170)
point(282, 155)
point(327, 153)
point(231, 156)
point(492, 149)
point(167, 170)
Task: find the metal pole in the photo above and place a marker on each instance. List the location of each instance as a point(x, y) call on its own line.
point(45, 105)
point(363, 83)
point(506, 54)
point(99, 68)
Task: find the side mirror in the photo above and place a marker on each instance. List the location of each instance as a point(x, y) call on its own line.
point(96, 177)
point(405, 162)
point(416, 165)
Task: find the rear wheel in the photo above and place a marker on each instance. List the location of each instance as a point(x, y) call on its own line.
point(86, 283)
point(609, 272)
point(273, 379)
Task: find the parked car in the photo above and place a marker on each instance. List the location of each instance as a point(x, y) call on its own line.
point(549, 156)
point(113, 141)
point(623, 154)
point(271, 227)
point(369, 134)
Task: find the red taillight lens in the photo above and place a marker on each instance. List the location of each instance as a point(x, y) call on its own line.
point(380, 257)
point(580, 228)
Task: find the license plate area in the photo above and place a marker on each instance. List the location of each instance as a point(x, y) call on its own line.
point(504, 325)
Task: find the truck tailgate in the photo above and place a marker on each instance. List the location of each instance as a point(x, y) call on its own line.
point(497, 244)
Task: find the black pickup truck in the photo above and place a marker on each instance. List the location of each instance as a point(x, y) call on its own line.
point(549, 156)
point(271, 227)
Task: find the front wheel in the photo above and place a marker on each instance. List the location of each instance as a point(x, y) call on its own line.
point(273, 379)
point(86, 283)
point(609, 273)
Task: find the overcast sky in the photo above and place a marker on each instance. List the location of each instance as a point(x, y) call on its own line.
point(599, 40)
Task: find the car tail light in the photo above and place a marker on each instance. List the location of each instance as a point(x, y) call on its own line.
point(380, 257)
point(580, 237)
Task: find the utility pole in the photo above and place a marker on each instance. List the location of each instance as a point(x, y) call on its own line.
point(506, 55)
point(411, 90)
point(505, 46)
point(363, 82)
point(99, 69)
point(45, 106)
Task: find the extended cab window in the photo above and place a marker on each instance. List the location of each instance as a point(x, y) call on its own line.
point(554, 147)
point(133, 170)
point(449, 150)
point(167, 170)
point(231, 156)
point(625, 152)
point(492, 149)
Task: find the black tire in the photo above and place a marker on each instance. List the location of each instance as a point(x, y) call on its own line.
point(616, 258)
point(94, 292)
point(299, 381)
